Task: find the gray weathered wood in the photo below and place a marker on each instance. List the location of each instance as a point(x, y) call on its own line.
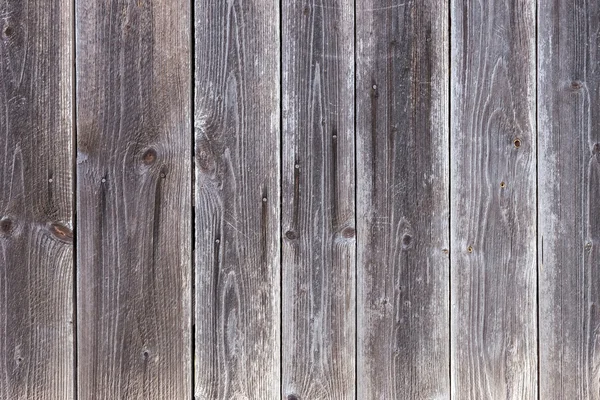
point(36, 213)
point(493, 200)
point(133, 199)
point(318, 254)
point(402, 199)
point(569, 208)
point(237, 151)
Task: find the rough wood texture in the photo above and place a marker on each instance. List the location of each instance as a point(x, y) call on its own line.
point(36, 213)
point(569, 195)
point(318, 264)
point(402, 199)
point(493, 200)
point(133, 199)
point(237, 128)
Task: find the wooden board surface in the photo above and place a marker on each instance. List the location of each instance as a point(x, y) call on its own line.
point(402, 199)
point(569, 189)
point(237, 154)
point(493, 200)
point(36, 212)
point(133, 199)
point(318, 225)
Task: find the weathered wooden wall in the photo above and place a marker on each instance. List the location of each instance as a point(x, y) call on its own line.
point(318, 199)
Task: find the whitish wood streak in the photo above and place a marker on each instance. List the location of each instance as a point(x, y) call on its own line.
point(493, 200)
point(569, 199)
point(134, 201)
point(237, 130)
point(402, 199)
point(36, 213)
point(318, 225)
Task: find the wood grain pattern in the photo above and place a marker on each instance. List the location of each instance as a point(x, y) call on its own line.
point(569, 189)
point(237, 152)
point(36, 212)
point(402, 199)
point(133, 199)
point(493, 200)
point(318, 249)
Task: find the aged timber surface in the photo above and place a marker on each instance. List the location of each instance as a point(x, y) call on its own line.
point(493, 200)
point(36, 213)
point(318, 248)
point(237, 131)
point(133, 199)
point(569, 199)
point(402, 199)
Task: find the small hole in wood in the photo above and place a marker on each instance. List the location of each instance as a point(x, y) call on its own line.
point(264, 199)
point(406, 240)
point(8, 31)
point(502, 184)
point(470, 249)
point(445, 251)
point(517, 143)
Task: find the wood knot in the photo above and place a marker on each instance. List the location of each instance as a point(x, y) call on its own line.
point(291, 235)
point(62, 233)
point(149, 157)
point(306, 10)
point(6, 225)
point(349, 233)
point(588, 246)
point(406, 240)
point(596, 148)
point(576, 85)
point(517, 143)
point(293, 397)
point(8, 31)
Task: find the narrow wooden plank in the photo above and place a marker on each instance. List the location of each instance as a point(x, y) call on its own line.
point(493, 200)
point(36, 213)
point(402, 199)
point(569, 208)
point(237, 152)
point(134, 201)
point(318, 253)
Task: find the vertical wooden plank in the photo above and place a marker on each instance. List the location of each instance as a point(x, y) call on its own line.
point(318, 249)
point(36, 213)
point(133, 197)
point(493, 200)
point(402, 199)
point(569, 190)
point(237, 152)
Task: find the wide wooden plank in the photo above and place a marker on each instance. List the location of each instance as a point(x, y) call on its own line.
point(493, 200)
point(36, 213)
point(134, 199)
point(569, 195)
point(237, 152)
point(402, 199)
point(318, 225)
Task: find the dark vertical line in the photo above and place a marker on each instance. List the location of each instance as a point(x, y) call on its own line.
point(449, 133)
point(537, 231)
point(192, 192)
point(357, 236)
point(74, 189)
point(281, 198)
